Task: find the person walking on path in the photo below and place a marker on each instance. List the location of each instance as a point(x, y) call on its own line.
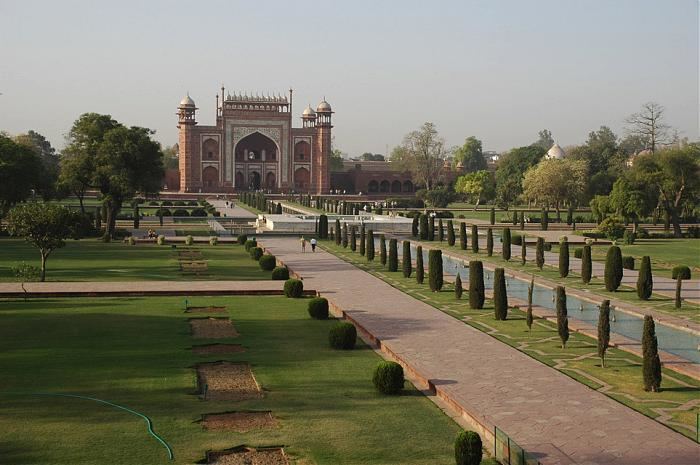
point(313, 244)
point(303, 244)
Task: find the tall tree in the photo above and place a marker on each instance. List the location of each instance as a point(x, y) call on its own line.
point(552, 182)
point(476, 186)
point(603, 331)
point(545, 139)
point(48, 174)
point(510, 170)
point(422, 153)
point(651, 363)
point(470, 155)
point(19, 172)
point(648, 124)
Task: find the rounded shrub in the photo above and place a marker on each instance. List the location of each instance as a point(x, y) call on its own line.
point(318, 308)
point(578, 252)
point(163, 212)
point(214, 240)
point(241, 239)
point(342, 336)
point(468, 448)
point(293, 288)
point(613, 269)
point(628, 262)
point(167, 203)
point(198, 212)
point(679, 273)
point(267, 262)
point(179, 203)
point(256, 253)
point(388, 378)
point(249, 244)
point(181, 212)
point(189, 240)
point(280, 273)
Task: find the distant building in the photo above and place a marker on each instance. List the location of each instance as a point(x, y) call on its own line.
point(555, 152)
point(254, 146)
point(371, 177)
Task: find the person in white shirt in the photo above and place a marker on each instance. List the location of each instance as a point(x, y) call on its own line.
point(313, 244)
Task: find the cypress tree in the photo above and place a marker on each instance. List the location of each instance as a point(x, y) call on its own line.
point(337, 232)
point(345, 236)
point(586, 264)
point(382, 250)
point(528, 315)
point(564, 257)
point(420, 271)
point(407, 264)
point(570, 215)
point(414, 226)
point(468, 448)
point(323, 227)
point(651, 364)
point(363, 238)
point(522, 221)
point(475, 239)
point(562, 318)
point(137, 215)
point(489, 242)
point(435, 278)
point(539, 253)
point(393, 262)
point(645, 282)
point(506, 244)
point(98, 217)
point(515, 217)
point(500, 297)
point(353, 238)
point(462, 236)
point(545, 220)
point(492, 216)
point(423, 229)
point(441, 231)
point(450, 233)
point(603, 331)
point(458, 287)
point(679, 273)
point(613, 269)
point(431, 228)
point(369, 248)
point(523, 250)
point(476, 285)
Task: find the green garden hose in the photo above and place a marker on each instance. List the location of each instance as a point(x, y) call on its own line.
point(148, 421)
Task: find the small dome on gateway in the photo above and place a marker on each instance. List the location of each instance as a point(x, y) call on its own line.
point(556, 152)
point(309, 112)
point(187, 101)
point(323, 107)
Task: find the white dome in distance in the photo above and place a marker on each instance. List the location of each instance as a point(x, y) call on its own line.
point(187, 101)
point(556, 152)
point(323, 107)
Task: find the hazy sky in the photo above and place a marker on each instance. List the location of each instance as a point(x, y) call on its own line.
point(500, 69)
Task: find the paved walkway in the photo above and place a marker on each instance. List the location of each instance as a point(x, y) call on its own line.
point(112, 288)
point(232, 212)
point(558, 419)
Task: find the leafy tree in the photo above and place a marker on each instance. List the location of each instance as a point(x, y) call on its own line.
point(476, 285)
point(470, 155)
point(420, 269)
point(500, 297)
point(648, 124)
point(439, 197)
point(523, 250)
point(422, 153)
point(629, 202)
point(651, 364)
point(171, 157)
point(323, 227)
point(554, 181)
point(19, 173)
point(600, 207)
point(407, 264)
point(48, 172)
point(679, 273)
point(511, 169)
point(367, 156)
point(545, 139)
point(613, 269)
point(435, 278)
point(603, 331)
point(458, 287)
point(476, 186)
point(645, 282)
point(335, 161)
point(562, 318)
point(45, 226)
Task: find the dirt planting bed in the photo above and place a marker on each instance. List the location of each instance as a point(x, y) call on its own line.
point(205, 310)
point(212, 328)
point(227, 381)
point(238, 421)
point(248, 456)
point(210, 349)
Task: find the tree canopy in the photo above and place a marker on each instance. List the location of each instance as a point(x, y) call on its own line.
point(553, 181)
point(511, 169)
point(20, 172)
point(477, 186)
point(470, 155)
point(422, 153)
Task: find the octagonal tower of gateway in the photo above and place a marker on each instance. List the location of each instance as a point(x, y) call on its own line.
point(253, 146)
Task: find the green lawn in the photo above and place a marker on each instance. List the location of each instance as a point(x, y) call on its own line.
point(93, 260)
point(664, 253)
point(621, 379)
point(136, 352)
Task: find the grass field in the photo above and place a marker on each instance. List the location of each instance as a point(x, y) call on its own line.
point(136, 352)
point(664, 253)
point(93, 260)
point(621, 379)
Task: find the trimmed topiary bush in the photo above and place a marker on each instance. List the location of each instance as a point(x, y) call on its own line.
point(423, 227)
point(369, 248)
point(393, 259)
point(523, 250)
point(293, 288)
point(382, 250)
point(506, 244)
point(181, 212)
point(613, 269)
point(189, 240)
point(450, 233)
point(539, 253)
point(267, 262)
point(645, 282)
point(578, 252)
point(323, 227)
point(256, 253)
point(242, 239)
point(476, 285)
point(651, 364)
point(603, 331)
point(562, 316)
point(318, 308)
point(431, 228)
point(564, 257)
point(249, 244)
point(420, 270)
point(353, 238)
point(338, 233)
point(628, 262)
point(441, 230)
point(406, 264)
point(489, 242)
point(492, 216)
point(500, 297)
point(344, 241)
point(680, 273)
point(280, 273)
point(214, 240)
point(388, 378)
point(475, 238)
point(458, 287)
point(468, 448)
point(342, 336)
point(435, 278)
point(363, 239)
point(414, 227)
point(586, 265)
point(462, 236)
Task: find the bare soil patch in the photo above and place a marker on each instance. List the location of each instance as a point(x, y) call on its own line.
point(191, 254)
point(205, 310)
point(212, 328)
point(218, 349)
point(238, 421)
point(227, 381)
point(248, 456)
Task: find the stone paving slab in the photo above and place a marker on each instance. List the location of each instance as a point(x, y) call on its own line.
point(535, 404)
